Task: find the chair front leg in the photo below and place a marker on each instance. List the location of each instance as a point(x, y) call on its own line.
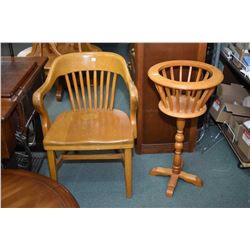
point(52, 164)
point(128, 171)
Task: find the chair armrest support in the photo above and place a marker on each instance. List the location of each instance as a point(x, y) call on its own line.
point(38, 103)
point(133, 105)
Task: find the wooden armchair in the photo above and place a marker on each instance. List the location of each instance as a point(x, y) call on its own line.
point(93, 123)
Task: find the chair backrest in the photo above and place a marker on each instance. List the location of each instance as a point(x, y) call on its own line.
point(90, 78)
point(183, 85)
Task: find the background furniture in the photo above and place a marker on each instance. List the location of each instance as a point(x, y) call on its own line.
point(20, 78)
point(93, 123)
point(8, 139)
point(24, 189)
point(156, 131)
point(52, 50)
point(232, 73)
point(184, 87)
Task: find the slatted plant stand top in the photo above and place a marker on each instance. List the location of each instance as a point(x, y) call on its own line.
point(184, 87)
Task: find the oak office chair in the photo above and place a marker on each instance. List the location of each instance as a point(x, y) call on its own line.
point(184, 87)
point(93, 123)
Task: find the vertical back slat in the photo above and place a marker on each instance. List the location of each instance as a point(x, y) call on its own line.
point(107, 90)
point(95, 89)
point(70, 93)
point(101, 89)
point(89, 89)
point(82, 89)
point(76, 91)
point(113, 92)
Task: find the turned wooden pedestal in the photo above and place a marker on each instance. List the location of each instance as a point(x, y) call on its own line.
point(184, 87)
point(176, 171)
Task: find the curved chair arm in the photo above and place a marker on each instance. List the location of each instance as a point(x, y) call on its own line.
point(133, 93)
point(133, 105)
point(38, 102)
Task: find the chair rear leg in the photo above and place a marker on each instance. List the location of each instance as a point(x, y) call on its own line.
point(52, 164)
point(128, 171)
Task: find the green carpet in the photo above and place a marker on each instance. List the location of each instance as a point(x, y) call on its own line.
point(101, 184)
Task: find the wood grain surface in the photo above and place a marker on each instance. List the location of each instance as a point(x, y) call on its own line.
point(24, 189)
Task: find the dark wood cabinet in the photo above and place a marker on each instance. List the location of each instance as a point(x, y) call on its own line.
point(156, 131)
point(20, 77)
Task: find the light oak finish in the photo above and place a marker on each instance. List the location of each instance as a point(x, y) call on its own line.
point(93, 123)
point(184, 87)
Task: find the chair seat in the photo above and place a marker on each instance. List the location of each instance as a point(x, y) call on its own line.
point(90, 127)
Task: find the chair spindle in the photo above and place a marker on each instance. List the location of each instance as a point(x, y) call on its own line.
point(70, 93)
point(89, 90)
point(76, 91)
point(82, 90)
point(107, 90)
point(113, 91)
point(95, 89)
point(101, 89)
